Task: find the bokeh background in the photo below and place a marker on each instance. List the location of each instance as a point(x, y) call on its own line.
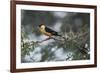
point(74, 26)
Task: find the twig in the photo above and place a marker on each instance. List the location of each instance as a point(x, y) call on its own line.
point(44, 40)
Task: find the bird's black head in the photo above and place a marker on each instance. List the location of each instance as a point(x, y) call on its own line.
point(41, 25)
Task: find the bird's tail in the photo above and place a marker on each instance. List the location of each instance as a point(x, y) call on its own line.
point(61, 36)
point(56, 34)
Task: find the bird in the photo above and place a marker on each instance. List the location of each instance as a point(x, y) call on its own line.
point(47, 31)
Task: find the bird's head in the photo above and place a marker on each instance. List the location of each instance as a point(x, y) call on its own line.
point(42, 26)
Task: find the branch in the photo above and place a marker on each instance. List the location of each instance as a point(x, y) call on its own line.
point(57, 39)
point(43, 40)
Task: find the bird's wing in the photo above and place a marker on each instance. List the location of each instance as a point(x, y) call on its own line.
point(51, 31)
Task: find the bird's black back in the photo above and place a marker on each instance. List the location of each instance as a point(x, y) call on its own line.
point(51, 31)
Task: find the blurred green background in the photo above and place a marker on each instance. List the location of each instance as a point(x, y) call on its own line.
point(74, 26)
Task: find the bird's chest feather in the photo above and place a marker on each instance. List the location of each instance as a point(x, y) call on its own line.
point(43, 31)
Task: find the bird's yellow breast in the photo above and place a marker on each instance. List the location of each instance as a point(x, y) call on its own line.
point(43, 31)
